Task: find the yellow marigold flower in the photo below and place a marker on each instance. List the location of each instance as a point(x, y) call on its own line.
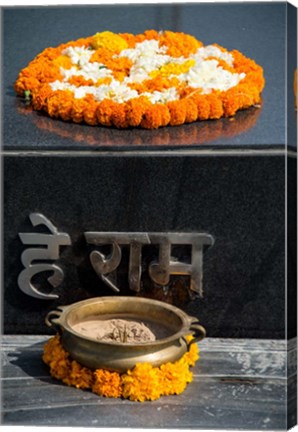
point(79, 376)
point(174, 377)
point(107, 383)
point(142, 383)
point(192, 355)
point(62, 61)
point(56, 358)
point(173, 69)
point(109, 40)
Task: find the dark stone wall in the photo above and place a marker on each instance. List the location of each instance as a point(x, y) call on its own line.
point(239, 200)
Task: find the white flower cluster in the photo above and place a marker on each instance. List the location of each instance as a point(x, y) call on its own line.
point(208, 75)
point(78, 55)
point(93, 71)
point(146, 57)
point(115, 91)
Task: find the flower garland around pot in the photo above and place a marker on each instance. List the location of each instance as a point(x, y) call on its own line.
point(142, 383)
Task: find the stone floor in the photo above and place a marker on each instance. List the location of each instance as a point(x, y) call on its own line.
point(238, 384)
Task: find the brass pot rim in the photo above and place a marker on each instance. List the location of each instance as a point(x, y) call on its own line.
point(62, 313)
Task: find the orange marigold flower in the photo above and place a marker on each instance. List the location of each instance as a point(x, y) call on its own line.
point(119, 64)
point(53, 104)
point(215, 106)
point(158, 83)
point(203, 106)
point(101, 55)
point(175, 377)
point(79, 107)
point(119, 118)
point(155, 116)
point(90, 112)
point(56, 358)
point(147, 35)
point(105, 111)
point(178, 112)
point(142, 383)
point(191, 114)
point(79, 80)
point(136, 109)
point(66, 106)
point(79, 376)
point(107, 383)
point(40, 96)
point(180, 44)
point(130, 39)
point(26, 83)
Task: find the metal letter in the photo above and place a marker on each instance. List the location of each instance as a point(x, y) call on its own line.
point(52, 242)
point(160, 270)
point(102, 266)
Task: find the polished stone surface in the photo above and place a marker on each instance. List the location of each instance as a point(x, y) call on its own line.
point(238, 384)
point(256, 29)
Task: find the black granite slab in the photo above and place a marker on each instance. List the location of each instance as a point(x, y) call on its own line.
point(240, 201)
point(256, 29)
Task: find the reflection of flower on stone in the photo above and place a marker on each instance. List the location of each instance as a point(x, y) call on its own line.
point(147, 80)
point(192, 134)
point(143, 382)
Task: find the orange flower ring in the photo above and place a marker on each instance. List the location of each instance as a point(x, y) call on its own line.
point(143, 382)
point(147, 80)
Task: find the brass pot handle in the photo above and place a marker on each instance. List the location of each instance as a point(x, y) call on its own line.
point(198, 330)
point(52, 319)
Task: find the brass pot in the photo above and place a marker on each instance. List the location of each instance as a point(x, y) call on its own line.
point(173, 323)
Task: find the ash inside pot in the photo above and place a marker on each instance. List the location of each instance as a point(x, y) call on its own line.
point(116, 330)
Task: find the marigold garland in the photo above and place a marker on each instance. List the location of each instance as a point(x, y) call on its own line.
point(143, 382)
point(147, 80)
